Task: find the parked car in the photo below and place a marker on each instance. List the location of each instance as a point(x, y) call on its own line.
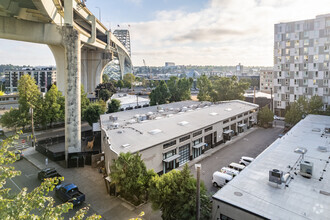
point(48, 173)
point(246, 160)
point(236, 166)
point(69, 192)
point(220, 179)
point(19, 154)
point(229, 171)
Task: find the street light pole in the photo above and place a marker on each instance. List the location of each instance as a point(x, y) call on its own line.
point(198, 203)
point(99, 12)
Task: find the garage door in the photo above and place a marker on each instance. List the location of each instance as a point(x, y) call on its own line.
point(184, 152)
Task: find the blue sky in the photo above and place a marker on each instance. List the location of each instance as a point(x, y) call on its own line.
point(196, 32)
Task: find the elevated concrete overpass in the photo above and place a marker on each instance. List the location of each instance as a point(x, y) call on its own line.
point(81, 44)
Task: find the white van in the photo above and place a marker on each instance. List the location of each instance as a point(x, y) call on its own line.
point(236, 166)
point(246, 160)
point(220, 179)
point(229, 171)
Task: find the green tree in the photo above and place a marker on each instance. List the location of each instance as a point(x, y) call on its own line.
point(205, 88)
point(294, 114)
point(120, 84)
point(174, 193)
point(128, 79)
point(225, 88)
point(29, 205)
point(104, 94)
point(28, 96)
point(11, 119)
point(52, 105)
point(92, 113)
point(113, 106)
point(315, 105)
point(83, 99)
point(130, 176)
point(265, 116)
point(179, 89)
point(105, 78)
point(160, 94)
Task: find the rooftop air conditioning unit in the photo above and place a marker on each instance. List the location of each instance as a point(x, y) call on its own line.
point(306, 169)
point(275, 176)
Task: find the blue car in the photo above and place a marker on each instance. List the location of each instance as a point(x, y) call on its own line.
point(69, 192)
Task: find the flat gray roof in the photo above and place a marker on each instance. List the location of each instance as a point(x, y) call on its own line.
point(303, 198)
point(169, 121)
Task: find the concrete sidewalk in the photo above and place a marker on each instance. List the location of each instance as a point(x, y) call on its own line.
point(91, 182)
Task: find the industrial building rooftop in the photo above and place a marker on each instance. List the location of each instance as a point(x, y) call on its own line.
point(142, 128)
point(300, 193)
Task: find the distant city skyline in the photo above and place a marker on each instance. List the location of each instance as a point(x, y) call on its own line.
point(187, 32)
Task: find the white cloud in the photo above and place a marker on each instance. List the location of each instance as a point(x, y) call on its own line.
point(224, 33)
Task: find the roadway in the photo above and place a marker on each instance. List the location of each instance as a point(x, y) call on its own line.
point(251, 145)
point(29, 180)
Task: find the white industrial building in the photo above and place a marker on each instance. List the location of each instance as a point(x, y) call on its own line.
point(168, 136)
point(128, 101)
point(289, 180)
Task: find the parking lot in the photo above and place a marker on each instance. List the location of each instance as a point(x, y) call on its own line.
point(250, 145)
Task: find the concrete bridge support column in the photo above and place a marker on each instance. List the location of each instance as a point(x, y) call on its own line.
point(121, 59)
point(93, 63)
point(72, 81)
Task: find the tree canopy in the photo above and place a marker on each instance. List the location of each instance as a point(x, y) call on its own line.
point(179, 89)
point(93, 112)
point(29, 205)
point(205, 88)
point(113, 106)
point(265, 115)
point(104, 94)
point(225, 88)
point(128, 80)
point(105, 78)
point(174, 193)
point(130, 175)
point(160, 94)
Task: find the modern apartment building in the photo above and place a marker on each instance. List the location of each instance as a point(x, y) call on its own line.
point(44, 77)
point(266, 80)
point(301, 61)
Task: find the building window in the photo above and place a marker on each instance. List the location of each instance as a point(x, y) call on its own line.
point(184, 138)
point(306, 90)
point(306, 42)
point(279, 104)
point(305, 81)
point(295, 97)
point(316, 73)
point(233, 119)
point(326, 74)
point(208, 129)
point(169, 144)
point(169, 154)
point(295, 81)
point(280, 74)
point(316, 57)
point(287, 44)
point(326, 57)
point(286, 96)
point(197, 133)
point(325, 82)
point(315, 89)
point(226, 121)
point(314, 65)
point(306, 73)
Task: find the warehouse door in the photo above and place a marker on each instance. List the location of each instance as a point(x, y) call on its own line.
point(208, 141)
point(184, 152)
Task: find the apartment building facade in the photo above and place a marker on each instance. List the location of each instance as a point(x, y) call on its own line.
point(266, 80)
point(301, 61)
point(44, 77)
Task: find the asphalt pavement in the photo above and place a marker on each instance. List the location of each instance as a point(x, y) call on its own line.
point(250, 144)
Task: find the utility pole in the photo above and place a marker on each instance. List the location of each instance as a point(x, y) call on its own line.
point(99, 13)
point(271, 98)
point(254, 95)
point(198, 202)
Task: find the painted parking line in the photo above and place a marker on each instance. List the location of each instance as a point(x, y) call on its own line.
point(15, 184)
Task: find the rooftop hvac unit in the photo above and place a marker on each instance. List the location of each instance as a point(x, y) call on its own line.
point(327, 130)
point(113, 118)
point(306, 169)
point(275, 176)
